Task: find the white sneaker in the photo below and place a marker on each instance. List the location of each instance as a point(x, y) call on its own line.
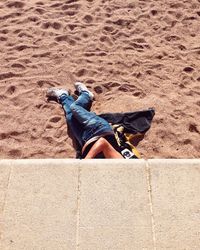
point(80, 87)
point(55, 94)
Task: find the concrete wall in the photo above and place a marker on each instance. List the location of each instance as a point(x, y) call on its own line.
point(99, 204)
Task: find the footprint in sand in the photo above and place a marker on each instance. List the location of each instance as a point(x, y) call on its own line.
point(106, 40)
point(4, 31)
point(3, 136)
point(16, 4)
point(24, 34)
point(40, 11)
point(15, 153)
point(88, 19)
point(56, 5)
point(132, 89)
point(3, 39)
point(18, 66)
point(4, 76)
point(71, 6)
point(198, 79)
point(21, 47)
point(90, 81)
point(54, 25)
point(139, 93)
point(98, 89)
point(72, 26)
point(65, 38)
point(172, 38)
point(47, 84)
point(81, 72)
point(153, 12)
point(193, 128)
point(187, 141)
point(198, 103)
point(45, 54)
point(125, 88)
point(55, 119)
point(110, 85)
point(54, 122)
point(109, 29)
point(188, 69)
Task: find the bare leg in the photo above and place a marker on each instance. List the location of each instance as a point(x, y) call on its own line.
point(102, 145)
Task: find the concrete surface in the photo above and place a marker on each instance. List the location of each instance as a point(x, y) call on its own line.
point(99, 204)
point(176, 203)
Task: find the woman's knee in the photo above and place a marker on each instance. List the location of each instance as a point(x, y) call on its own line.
point(103, 142)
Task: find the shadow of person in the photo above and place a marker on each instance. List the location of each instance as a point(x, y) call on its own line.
point(75, 143)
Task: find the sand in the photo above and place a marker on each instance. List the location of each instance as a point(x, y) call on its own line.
point(132, 54)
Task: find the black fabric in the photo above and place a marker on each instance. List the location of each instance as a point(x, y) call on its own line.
point(112, 140)
point(87, 149)
point(133, 122)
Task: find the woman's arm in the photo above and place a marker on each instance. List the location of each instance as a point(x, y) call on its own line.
point(102, 145)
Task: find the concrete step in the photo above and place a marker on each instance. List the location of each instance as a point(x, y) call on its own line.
point(99, 204)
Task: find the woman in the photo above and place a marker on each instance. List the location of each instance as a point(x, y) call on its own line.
point(93, 133)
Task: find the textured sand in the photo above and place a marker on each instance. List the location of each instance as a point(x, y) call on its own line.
point(132, 54)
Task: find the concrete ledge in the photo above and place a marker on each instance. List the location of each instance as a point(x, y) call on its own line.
point(99, 204)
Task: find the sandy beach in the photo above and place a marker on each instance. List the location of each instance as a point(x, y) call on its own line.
point(132, 54)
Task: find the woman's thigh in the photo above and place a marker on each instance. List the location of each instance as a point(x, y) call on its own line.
point(82, 115)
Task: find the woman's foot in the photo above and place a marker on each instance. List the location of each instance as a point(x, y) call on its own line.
point(80, 87)
point(54, 94)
